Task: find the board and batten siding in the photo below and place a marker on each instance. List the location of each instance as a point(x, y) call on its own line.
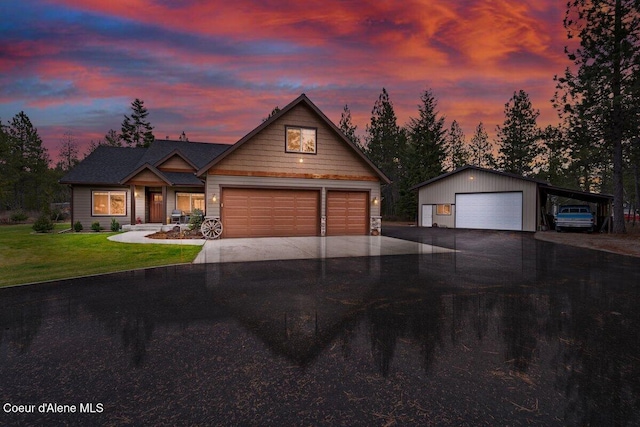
point(82, 209)
point(265, 155)
point(217, 183)
point(474, 181)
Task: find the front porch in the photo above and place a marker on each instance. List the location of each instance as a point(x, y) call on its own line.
point(154, 227)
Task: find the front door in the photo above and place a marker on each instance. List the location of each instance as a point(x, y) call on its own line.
point(155, 208)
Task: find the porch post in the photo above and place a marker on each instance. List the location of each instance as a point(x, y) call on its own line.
point(133, 204)
point(164, 204)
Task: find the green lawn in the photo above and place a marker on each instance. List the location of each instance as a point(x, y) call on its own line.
point(27, 257)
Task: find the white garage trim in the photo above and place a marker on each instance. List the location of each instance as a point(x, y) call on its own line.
point(489, 211)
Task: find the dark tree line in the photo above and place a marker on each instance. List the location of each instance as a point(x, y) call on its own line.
point(28, 182)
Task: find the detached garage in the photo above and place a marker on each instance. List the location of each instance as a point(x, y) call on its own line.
point(472, 197)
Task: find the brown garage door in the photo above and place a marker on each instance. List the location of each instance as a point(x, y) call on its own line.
point(249, 212)
point(347, 213)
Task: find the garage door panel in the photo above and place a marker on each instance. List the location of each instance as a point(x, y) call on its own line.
point(267, 212)
point(489, 211)
point(347, 213)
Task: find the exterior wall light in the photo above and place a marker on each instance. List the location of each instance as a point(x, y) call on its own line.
point(374, 201)
point(214, 198)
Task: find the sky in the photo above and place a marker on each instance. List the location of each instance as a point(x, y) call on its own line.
point(216, 69)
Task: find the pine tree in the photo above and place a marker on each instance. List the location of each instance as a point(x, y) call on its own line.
point(519, 136)
point(425, 153)
point(480, 149)
point(385, 148)
point(273, 112)
point(27, 163)
point(348, 128)
point(136, 130)
point(604, 89)
point(111, 139)
point(457, 150)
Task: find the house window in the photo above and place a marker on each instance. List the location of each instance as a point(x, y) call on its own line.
point(109, 203)
point(188, 202)
point(301, 140)
point(443, 209)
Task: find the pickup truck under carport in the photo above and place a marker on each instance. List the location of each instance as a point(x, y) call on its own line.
point(578, 217)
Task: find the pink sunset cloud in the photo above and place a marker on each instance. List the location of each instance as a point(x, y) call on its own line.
point(216, 69)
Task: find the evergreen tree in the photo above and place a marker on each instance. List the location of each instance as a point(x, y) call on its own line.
point(273, 112)
point(111, 139)
point(136, 130)
point(458, 154)
point(5, 173)
point(348, 128)
point(518, 137)
point(425, 153)
point(480, 149)
point(555, 157)
point(604, 88)
point(385, 148)
point(26, 164)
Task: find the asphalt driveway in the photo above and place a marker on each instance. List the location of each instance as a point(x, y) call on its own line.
point(503, 330)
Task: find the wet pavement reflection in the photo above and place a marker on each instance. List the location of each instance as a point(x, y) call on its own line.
point(507, 330)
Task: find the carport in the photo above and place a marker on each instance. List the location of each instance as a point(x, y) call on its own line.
point(478, 198)
point(603, 204)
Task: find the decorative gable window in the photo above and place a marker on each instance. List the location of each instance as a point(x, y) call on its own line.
point(301, 140)
point(109, 203)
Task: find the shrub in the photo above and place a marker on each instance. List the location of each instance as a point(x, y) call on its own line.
point(115, 225)
point(43, 224)
point(19, 216)
point(77, 227)
point(196, 219)
point(58, 215)
point(96, 226)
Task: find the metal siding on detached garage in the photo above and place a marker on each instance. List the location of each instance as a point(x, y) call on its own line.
point(249, 212)
point(347, 213)
point(489, 211)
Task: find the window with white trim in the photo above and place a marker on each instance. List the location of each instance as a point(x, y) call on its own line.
point(188, 202)
point(109, 203)
point(301, 140)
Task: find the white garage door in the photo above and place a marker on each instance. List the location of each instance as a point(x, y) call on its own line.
point(489, 211)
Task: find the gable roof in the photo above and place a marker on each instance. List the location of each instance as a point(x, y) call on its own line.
point(302, 99)
point(545, 187)
point(115, 165)
point(476, 168)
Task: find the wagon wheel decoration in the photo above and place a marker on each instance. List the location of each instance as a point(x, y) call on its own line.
point(211, 228)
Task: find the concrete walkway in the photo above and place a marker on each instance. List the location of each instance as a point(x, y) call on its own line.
point(140, 237)
point(284, 248)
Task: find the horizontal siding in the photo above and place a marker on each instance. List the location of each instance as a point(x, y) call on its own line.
point(176, 163)
point(146, 177)
point(266, 151)
point(215, 182)
point(82, 210)
point(474, 181)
